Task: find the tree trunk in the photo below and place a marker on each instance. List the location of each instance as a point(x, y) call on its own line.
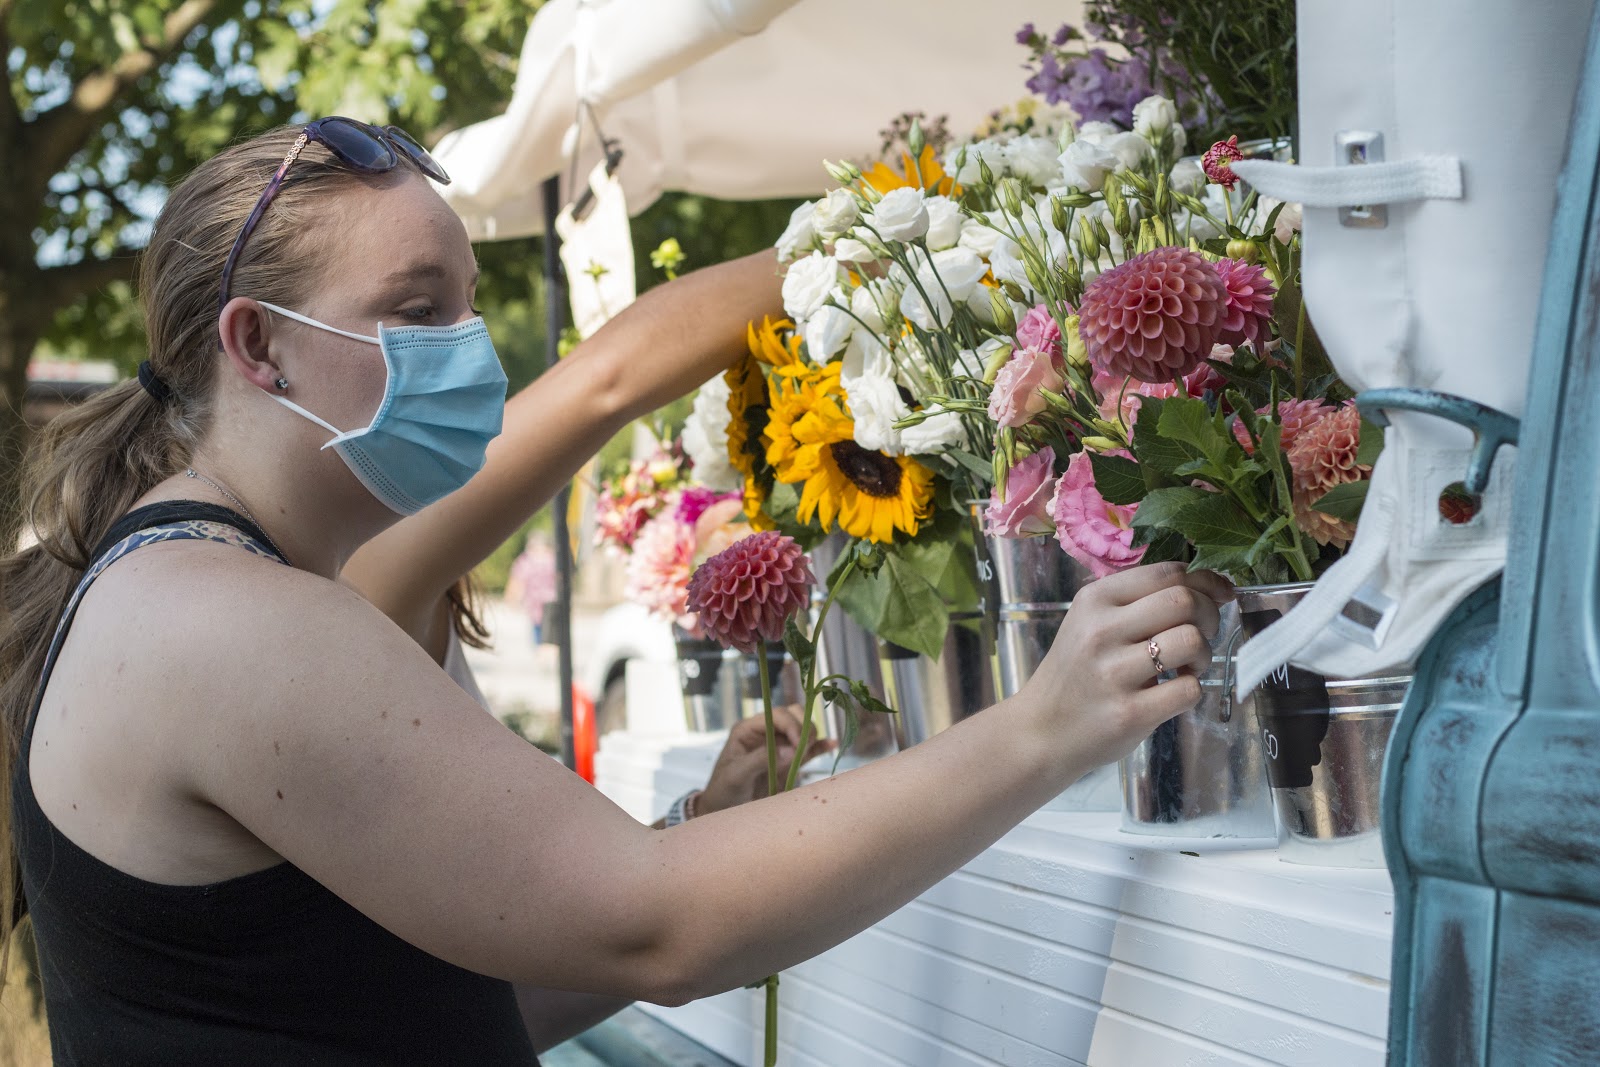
point(16, 346)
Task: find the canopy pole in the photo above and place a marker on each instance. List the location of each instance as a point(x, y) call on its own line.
point(555, 295)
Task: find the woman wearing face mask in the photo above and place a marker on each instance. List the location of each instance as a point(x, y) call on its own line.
point(255, 822)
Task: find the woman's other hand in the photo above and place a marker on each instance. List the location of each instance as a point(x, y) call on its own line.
point(740, 773)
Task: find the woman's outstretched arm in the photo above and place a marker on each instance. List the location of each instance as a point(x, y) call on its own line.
point(669, 341)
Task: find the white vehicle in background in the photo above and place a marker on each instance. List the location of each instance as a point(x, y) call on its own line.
point(625, 632)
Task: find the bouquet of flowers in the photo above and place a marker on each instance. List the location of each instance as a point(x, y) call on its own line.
point(1163, 395)
point(630, 500)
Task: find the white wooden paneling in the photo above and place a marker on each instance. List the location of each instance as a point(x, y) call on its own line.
point(1069, 943)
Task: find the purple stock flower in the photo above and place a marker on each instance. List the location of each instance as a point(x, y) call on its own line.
point(1062, 35)
point(1025, 35)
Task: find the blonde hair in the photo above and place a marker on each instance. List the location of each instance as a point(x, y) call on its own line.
point(91, 463)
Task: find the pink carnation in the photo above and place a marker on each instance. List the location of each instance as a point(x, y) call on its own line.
point(748, 591)
point(1249, 295)
point(1015, 399)
point(694, 501)
point(1096, 534)
point(1293, 416)
point(658, 571)
point(1038, 329)
point(1025, 512)
point(1153, 317)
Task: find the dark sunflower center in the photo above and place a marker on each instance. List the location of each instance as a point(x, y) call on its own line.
point(871, 472)
point(756, 416)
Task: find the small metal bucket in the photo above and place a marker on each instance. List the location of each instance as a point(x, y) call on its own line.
point(1324, 741)
point(931, 695)
point(847, 648)
point(712, 681)
point(1202, 774)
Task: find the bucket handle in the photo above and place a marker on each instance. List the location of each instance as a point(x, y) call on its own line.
point(1228, 675)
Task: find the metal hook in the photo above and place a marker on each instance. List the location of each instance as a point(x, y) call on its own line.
point(1491, 429)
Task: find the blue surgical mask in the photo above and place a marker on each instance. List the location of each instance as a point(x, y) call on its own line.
point(442, 406)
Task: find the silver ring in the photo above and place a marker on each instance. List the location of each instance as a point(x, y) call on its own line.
point(1155, 656)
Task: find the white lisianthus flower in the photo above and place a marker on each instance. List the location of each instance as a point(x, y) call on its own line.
point(1086, 164)
point(944, 223)
point(981, 306)
point(865, 304)
point(1187, 177)
point(827, 331)
point(800, 236)
point(1129, 148)
point(978, 237)
point(1034, 159)
point(705, 438)
point(850, 250)
point(1288, 224)
point(1153, 117)
point(808, 284)
point(974, 361)
point(1006, 263)
point(1097, 132)
point(864, 354)
point(992, 153)
point(932, 435)
point(901, 215)
point(876, 405)
point(835, 214)
point(950, 277)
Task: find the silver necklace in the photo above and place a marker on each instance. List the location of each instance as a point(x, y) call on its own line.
point(225, 491)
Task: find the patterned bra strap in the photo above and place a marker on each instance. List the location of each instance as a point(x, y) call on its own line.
point(186, 530)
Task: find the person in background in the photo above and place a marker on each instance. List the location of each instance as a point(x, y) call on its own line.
point(532, 582)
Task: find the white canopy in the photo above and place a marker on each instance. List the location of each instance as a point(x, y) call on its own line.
point(738, 99)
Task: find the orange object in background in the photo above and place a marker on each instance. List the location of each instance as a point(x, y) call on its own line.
point(585, 735)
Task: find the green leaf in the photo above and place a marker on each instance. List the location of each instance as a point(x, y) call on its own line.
point(1163, 547)
point(983, 468)
point(1188, 420)
point(867, 701)
point(899, 605)
point(1344, 501)
point(1202, 518)
point(1225, 559)
point(1161, 508)
point(1371, 443)
point(1118, 479)
point(1158, 456)
point(798, 643)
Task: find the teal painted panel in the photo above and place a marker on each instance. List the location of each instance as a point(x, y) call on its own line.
point(1453, 935)
point(1546, 1007)
point(1541, 806)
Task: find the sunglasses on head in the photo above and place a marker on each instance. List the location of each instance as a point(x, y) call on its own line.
point(362, 147)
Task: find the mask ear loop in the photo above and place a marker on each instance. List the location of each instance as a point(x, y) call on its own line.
point(338, 434)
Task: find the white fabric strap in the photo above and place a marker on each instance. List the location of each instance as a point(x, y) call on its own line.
point(1425, 178)
point(1280, 642)
point(296, 316)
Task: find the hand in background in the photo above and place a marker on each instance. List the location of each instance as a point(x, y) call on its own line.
point(740, 773)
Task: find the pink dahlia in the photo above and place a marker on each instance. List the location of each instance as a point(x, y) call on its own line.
point(1323, 456)
point(1154, 317)
point(1038, 329)
point(746, 592)
point(658, 571)
point(1096, 534)
point(1293, 416)
point(1216, 162)
point(1249, 295)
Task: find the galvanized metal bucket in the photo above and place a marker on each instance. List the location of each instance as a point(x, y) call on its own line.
point(1036, 582)
point(847, 648)
point(712, 681)
point(930, 695)
point(1203, 774)
point(1323, 741)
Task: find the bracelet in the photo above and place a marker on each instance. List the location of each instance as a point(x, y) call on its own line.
point(683, 809)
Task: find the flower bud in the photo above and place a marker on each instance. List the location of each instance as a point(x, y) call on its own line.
point(844, 172)
point(1147, 237)
point(1014, 291)
point(1011, 196)
point(1102, 444)
point(1058, 213)
point(915, 140)
point(1004, 317)
point(997, 359)
point(1163, 197)
point(1122, 218)
point(985, 175)
point(1088, 239)
point(1243, 250)
point(1076, 352)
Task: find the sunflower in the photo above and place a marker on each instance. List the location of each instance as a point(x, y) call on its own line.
point(773, 344)
point(924, 173)
point(813, 442)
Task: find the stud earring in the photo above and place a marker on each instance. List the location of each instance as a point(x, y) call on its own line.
point(282, 383)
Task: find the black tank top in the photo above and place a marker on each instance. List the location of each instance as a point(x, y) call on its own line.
point(267, 968)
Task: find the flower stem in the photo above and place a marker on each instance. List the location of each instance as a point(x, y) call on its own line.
point(1299, 354)
point(808, 678)
point(766, 710)
point(771, 1057)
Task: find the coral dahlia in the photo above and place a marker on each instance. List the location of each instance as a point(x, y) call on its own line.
point(1154, 317)
point(1293, 416)
point(748, 591)
point(1324, 454)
